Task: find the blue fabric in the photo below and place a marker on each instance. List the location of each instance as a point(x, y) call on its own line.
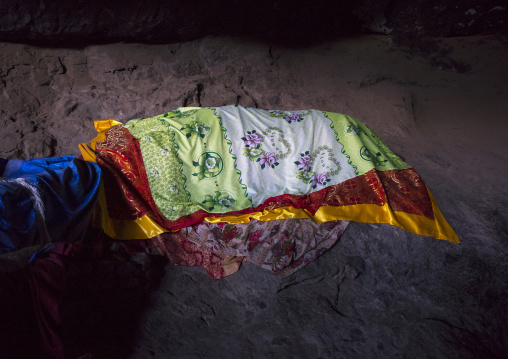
point(68, 188)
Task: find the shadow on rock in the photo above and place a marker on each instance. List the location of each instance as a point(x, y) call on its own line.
point(77, 300)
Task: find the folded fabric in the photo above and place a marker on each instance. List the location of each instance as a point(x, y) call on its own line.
point(233, 164)
point(44, 201)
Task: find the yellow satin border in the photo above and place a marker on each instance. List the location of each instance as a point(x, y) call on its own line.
point(366, 213)
point(141, 228)
point(88, 149)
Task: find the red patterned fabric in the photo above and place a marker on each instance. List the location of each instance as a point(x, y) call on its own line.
point(128, 192)
point(406, 192)
point(181, 251)
point(364, 189)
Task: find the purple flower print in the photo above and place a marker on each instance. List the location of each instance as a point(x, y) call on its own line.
point(305, 162)
point(253, 139)
point(268, 159)
point(319, 179)
point(292, 118)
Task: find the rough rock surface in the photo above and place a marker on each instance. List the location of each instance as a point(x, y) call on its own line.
point(380, 292)
point(75, 23)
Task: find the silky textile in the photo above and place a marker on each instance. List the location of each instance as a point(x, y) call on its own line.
point(44, 201)
point(233, 164)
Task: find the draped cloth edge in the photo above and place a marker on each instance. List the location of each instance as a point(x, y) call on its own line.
point(144, 227)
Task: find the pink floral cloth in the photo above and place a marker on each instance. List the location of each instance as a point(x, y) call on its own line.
point(282, 246)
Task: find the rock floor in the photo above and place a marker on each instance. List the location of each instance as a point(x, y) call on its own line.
point(380, 292)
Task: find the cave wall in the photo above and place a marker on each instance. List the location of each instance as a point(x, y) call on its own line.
point(77, 23)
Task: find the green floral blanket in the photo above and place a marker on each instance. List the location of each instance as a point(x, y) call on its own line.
point(231, 158)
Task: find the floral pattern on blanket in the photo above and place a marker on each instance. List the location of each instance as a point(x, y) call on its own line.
point(274, 139)
point(317, 167)
point(250, 153)
point(288, 116)
point(197, 128)
point(282, 246)
point(255, 153)
point(178, 114)
point(222, 199)
point(208, 165)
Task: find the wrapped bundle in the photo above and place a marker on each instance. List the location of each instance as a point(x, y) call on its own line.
point(196, 170)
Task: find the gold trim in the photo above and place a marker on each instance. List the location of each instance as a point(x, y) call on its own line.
point(141, 228)
point(366, 213)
